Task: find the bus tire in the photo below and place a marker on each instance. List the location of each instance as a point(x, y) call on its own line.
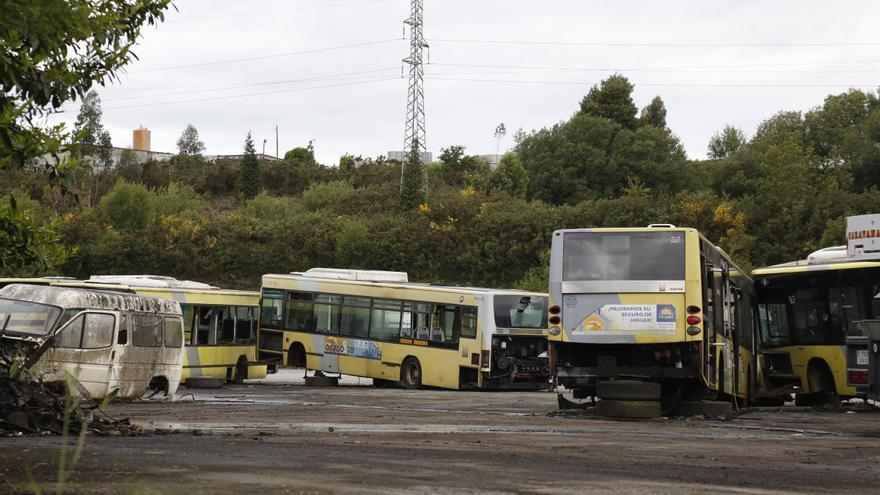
point(411, 373)
point(627, 390)
point(241, 371)
point(636, 409)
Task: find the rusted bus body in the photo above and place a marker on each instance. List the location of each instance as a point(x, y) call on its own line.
point(108, 341)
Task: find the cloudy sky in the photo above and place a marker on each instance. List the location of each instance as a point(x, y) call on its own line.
point(330, 70)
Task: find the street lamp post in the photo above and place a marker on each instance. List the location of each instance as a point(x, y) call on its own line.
point(264, 149)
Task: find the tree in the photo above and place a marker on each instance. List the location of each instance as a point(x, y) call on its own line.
point(346, 167)
point(726, 142)
point(89, 133)
point(249, 171)
point(510, 176)
point(612, 99)
point(189, 142)
point(412, 182)
point(654, 114)
point(52, 52)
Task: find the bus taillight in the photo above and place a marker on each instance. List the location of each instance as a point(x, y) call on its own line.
point(554, 310)
point(693, 320)
point(858, 377)
point(555, 320)
point(692, 310)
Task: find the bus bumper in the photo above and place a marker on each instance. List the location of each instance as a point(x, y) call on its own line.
point(587, 375)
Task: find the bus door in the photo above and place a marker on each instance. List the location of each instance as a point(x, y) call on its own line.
point(83, 347)
point(717, 310)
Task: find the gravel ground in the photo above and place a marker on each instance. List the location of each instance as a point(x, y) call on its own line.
point(278, 436)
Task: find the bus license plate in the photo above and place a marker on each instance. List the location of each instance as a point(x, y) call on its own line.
point(862, 357)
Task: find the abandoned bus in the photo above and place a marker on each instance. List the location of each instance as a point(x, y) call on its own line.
point(107, 341)
point(805, 309)
point(378, 325)
point(220, 325)
point(631, 308)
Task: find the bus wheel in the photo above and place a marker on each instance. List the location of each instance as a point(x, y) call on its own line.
point(241, 370)
point(411, 374)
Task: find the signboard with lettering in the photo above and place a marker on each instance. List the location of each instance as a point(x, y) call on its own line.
point(863, 235)
point(658, 319)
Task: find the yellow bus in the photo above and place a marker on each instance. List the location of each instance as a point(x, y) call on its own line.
point(657, 314)
point(219, 324)
point(805, 309)
point(378, 325)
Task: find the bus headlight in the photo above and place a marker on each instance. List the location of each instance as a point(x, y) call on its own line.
point(693, 331)
point(554, 331)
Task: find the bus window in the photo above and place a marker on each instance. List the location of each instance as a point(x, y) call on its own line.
point(469, 323)
point(327, 313)
point(810, 318)
point(205, 326)
point(147, 331)
point(187, 323)
point(87, 331)
point(122, 338)
point(173, 334)
point(271, 309)
point(226, 325)
point(598, 256)
point(385, 319)
point(98, 331)
point(520, 311)
point(444, 324)
point(845, 306)
point(244, 329)
point(406, 321)
point(299, 312)
point(421, 320)
point(71, 336)
point(355, 316)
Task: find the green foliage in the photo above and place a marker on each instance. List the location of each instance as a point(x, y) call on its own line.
point(654, 114)
point(346, 167)
point(189, 142)
point(128, 207)
point(612, 100)
point(29, 247)
point(249, 177)
point(89, 133)
point(412, 189)
point(510, 177)
point(326, 196)
point(726, 142)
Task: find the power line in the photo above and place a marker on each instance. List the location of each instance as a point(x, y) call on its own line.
point(684, 85)
point(276, 11)
point(709, 70)
point(264, 57)
point(228, 97)
point(204, 89)
point(660, 44)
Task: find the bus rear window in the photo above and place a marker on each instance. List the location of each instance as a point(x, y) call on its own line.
point(595, 256)
point(520, 311)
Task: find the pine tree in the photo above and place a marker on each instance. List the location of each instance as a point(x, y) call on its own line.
point(89, 132)
point(248, 184)
point(412, 188)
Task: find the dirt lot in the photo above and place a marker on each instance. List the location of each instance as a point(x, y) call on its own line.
point(278, 436)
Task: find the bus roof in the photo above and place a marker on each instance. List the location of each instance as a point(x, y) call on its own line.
point(651, 228)
point(807, 266)
point(70, 297)
point(400, 285)
point(130, 283)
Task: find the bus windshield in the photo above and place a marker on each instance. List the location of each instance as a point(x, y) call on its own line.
point(597, 256)
point(815, 307)
point(520, 311)
point(27, 318)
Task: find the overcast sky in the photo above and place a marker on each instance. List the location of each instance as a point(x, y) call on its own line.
point(229, 67)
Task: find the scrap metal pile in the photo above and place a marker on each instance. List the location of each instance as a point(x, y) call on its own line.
point(28, 405)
